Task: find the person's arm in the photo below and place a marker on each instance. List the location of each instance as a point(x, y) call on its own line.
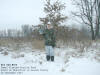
point(42, 31)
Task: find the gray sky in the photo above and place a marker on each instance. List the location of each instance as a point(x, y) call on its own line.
point(14, 13)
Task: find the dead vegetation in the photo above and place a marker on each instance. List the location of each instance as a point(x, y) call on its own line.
point(65, 38)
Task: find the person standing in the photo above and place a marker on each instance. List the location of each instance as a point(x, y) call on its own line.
point(50, 41)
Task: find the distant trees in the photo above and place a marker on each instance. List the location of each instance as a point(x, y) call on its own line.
point(25, 31)
point(31, 32)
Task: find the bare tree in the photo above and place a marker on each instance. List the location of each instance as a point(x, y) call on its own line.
point(87, 14)
point(97, 9)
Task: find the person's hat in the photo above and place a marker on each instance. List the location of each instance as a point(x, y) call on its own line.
point(49, 23)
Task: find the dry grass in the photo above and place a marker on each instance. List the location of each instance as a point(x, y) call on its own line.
point(80, 46)
point(5, 53)
point(19, 44)
point(63, 70)
point(38, 44)
point(40, 62)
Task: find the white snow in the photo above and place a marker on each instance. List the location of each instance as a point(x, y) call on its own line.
point(36, 59)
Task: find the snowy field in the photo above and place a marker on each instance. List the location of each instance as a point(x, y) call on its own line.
point(67, 62)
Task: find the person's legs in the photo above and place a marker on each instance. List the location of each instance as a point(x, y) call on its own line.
point(47, 48)
point(52, 53)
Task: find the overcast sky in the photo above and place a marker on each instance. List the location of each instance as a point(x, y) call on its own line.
point(14, 13)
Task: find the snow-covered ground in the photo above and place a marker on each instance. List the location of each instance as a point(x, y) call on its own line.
point(64, 63)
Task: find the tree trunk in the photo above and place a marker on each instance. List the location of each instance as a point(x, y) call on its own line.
point(92, 33)
point(97, 28)
point(99, 16)
point(98, 19)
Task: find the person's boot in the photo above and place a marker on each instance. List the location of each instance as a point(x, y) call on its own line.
point(52, 58)
point(48, 57)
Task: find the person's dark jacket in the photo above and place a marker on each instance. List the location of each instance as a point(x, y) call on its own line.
point(49, 36)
